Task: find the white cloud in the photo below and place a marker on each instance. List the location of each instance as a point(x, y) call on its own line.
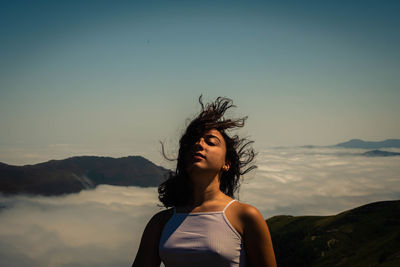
point(100, 227)
point(319, 181)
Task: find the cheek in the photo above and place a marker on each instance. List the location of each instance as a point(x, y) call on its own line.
point(221, 156)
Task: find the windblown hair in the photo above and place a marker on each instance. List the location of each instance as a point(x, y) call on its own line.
point(177, 190)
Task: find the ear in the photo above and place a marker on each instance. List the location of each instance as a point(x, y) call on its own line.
point(226, 166)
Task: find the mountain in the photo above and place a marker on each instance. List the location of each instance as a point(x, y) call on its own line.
point(72, 175)
point(365, 236)
point(380, 153)
point(358, 143)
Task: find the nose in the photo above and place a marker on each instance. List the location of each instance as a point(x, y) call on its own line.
point(199, 144)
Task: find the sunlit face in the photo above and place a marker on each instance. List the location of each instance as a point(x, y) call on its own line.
point(208, 153)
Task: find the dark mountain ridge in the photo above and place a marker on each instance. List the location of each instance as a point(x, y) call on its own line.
point(365, 236)
point(358, 143)
point(380, 153)
point(71, 175)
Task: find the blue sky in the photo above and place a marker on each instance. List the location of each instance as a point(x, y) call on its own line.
point(114, 77)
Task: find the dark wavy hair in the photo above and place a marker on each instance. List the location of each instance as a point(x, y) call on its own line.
point(177, 189)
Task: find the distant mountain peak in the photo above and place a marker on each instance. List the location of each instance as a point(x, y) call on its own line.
point(358, 143)
point(356, 140)
point(380, 153)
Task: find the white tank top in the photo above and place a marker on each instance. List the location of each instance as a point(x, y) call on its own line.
point(201, 239)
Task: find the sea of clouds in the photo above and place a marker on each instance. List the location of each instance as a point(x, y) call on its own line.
point(103, 227)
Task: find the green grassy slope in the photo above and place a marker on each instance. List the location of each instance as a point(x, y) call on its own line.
point(365, 236)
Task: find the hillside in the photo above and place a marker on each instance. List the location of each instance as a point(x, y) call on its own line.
point(365, 236)
point(74, 174)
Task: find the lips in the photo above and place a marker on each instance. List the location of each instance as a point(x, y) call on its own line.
point(199, 155)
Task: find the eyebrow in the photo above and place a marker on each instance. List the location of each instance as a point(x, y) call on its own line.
point(212, 136)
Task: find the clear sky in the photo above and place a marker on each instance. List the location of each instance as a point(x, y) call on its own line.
point(113, 78)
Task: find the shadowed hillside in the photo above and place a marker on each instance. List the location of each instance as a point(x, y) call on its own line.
point(365, 236)
point(71, 175)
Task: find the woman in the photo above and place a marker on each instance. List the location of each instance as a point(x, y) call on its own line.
point(206, 226)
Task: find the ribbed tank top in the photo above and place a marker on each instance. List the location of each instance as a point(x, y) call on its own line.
point(201, 239)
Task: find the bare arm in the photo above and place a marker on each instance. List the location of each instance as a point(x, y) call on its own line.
point(257, 239)
point(147, 255)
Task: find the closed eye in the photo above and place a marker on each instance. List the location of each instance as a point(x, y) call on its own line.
point(211, 140)
point(210, 143)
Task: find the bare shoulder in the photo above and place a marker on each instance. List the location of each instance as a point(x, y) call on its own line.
point(164, 214)
point(248, 212)
point(160, 218)
point(242, 216)
point(257, 239)
point(147, 254)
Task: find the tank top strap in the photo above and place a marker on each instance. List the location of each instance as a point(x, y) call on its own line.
point(228, 205)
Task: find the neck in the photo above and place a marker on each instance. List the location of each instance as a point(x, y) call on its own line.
point(205, 188)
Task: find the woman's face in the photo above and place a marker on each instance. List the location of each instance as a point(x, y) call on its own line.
point(208, 153)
